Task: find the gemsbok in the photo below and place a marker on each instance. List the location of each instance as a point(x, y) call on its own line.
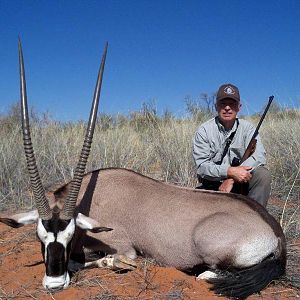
point(227, 239)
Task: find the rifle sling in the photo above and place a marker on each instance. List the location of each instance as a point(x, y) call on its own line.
point(228, 142)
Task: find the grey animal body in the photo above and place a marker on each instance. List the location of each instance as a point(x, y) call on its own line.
point(179, 227)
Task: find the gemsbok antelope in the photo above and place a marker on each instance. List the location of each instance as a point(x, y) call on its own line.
point(233, 240)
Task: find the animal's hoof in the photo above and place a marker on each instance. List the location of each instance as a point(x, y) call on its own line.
point(122, 262)
point(206, 275)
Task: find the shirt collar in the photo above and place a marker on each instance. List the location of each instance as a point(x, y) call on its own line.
point(222, 128)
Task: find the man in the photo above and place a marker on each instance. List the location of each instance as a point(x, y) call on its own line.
point(218, 141)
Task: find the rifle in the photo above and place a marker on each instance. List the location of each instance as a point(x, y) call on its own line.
point(252, 144)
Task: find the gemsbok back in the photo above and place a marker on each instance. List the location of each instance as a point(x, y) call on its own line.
point(231, 240)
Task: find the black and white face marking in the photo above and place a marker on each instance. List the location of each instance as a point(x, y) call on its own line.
point(56, 236)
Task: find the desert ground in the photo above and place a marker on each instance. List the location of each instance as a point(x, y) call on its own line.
point(21, 277)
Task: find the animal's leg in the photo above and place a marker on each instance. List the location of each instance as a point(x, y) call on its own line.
point(117, 248)
point(206, 275)
point(114, 262)
point(74, 266)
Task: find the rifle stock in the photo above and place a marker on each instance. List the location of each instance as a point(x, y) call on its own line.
point(250, 150)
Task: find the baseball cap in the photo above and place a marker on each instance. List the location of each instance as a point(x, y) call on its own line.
point(228, 90)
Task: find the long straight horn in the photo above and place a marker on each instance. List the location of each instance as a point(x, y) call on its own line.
point(69, 207)
point(41, 201)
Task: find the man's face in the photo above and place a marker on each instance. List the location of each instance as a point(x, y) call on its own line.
point(227, 110)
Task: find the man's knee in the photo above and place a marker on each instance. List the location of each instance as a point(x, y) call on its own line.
point(262, 176)
point(260, 185)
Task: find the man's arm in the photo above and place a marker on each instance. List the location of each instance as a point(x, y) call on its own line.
point(235, 174)
point(206, 168)
point(242, 173)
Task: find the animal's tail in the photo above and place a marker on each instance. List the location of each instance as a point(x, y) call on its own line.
point(242, 283)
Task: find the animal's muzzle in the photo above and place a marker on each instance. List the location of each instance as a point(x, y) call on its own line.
point(56, 283)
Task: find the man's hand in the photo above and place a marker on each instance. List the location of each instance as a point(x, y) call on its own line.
point(240, 173)
point(226, 185)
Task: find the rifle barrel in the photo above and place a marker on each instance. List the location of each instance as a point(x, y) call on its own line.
point(262, 117)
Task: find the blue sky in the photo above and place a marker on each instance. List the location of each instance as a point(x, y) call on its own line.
point(158, 50)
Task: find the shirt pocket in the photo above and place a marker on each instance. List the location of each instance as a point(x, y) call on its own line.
point(236, 150)
point(215, 153)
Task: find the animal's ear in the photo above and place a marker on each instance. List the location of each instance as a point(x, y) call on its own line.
point(90, 224)
point(21, 219)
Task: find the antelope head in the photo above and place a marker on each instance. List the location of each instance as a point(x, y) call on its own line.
point(55, 227)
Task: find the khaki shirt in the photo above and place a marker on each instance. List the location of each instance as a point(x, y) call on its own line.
point(209, 143)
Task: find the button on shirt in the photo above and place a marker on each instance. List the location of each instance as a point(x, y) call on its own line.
point(209, 143)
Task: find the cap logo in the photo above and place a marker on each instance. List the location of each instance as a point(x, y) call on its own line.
point(229, 90)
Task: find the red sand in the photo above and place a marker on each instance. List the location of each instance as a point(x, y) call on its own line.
point(19, 248)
